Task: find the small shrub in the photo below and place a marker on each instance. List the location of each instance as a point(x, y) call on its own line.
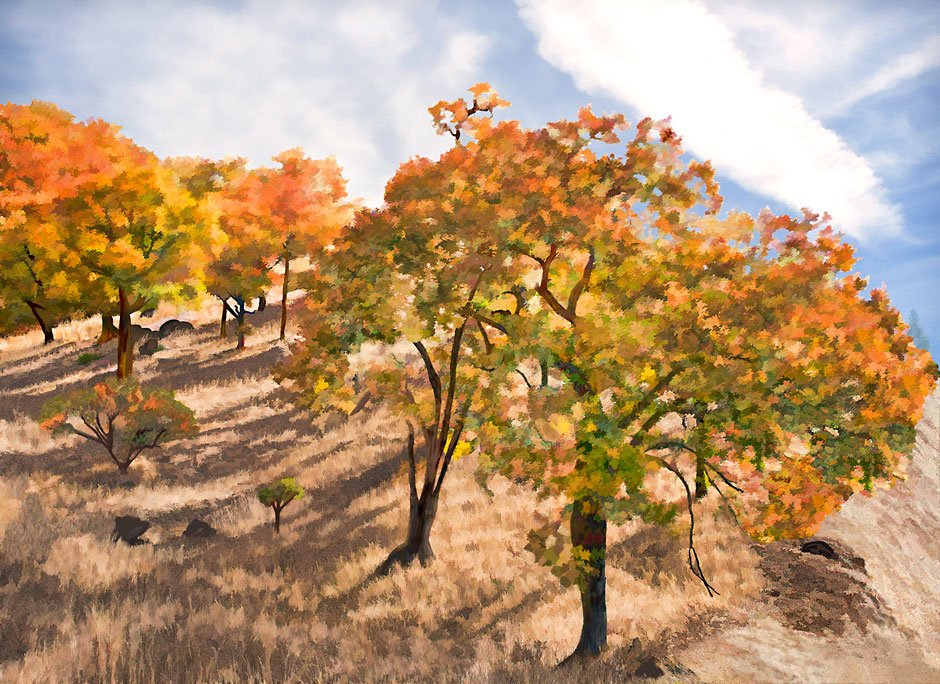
point(87, 357)
point(278, 495)
point(122, 416)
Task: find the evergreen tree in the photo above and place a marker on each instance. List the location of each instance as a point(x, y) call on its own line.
point(920, 337)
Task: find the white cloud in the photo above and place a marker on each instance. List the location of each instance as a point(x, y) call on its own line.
point(252, 79)
point(676, 58)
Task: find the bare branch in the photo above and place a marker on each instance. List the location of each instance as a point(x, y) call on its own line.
point(528, 384)
point(694, 565)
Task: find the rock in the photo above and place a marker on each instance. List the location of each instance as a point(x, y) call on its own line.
point(649, 668)
point(128, 529)
point(174, 326)
point(199, 528)
point(819, 548)
point(148, 313)
point(149, 347)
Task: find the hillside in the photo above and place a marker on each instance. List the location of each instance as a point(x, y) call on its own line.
point(246, 606)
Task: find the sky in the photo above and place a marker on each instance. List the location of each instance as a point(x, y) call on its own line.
point(825, 105)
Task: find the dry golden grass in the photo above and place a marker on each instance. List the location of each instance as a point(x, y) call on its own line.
point(303, 606)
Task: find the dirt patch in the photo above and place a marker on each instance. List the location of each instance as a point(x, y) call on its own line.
point(817, 594)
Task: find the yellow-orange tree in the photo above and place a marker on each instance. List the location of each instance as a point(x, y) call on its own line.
point(123, 228)
point(792, 389)
point(243, 249)
point(302, 203)
point(35, 145)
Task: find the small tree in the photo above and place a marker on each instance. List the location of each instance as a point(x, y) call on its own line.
point(278, 495)
point(917, 333)
point(123, 417)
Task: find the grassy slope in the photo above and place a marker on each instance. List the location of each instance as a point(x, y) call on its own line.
point(247, 606)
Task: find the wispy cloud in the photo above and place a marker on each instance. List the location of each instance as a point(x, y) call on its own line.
point(679, 59)
point(255, 78)
point(895, 72)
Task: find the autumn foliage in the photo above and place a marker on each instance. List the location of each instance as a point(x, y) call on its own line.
point(587, 320)
point(122, 416)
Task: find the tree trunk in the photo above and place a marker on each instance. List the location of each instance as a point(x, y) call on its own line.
point(108, 331)
point(240, 304)
point(589, 531)
point(46, 330)
point(222, 331)
point(125, 366)
point(277, 520)
point(418, 544)
point(284, 288)
point(262, 303)
point(701, 480)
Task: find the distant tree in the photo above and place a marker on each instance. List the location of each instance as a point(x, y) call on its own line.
point(302, 203)
point(278, 495)
point(34, 173)
point(122, 416)
point(243, 250)
point(917, 333)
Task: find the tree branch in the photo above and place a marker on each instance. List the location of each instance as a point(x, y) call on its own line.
point(694, 565)
point(581, 285)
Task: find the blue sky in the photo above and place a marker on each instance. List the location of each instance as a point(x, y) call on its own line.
point(826, 105)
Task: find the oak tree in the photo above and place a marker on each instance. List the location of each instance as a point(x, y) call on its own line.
point(399, 313)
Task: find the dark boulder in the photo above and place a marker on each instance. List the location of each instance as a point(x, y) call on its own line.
point(199, 528)
point(148, 313)
point(174, 326)
point(649, 668)
point(819, 548)
point(149, 348)
point(128, 529)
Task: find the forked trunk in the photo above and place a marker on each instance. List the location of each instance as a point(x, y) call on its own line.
point(46, 330)
point(284, 288)
point(418, 543)
point(589, 531)
point(125, 366)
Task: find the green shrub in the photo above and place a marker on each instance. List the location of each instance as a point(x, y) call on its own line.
point(278, 495)
point(87, 357)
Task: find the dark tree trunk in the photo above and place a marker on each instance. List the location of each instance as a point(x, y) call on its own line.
point(222, 331)
point(418, 544)
point(262, 303)
point(240, 310)
point(284, 295)
point(46, 330)
point(277, 519)
point(589, 531)
point(701, 480)
point(125, 347)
